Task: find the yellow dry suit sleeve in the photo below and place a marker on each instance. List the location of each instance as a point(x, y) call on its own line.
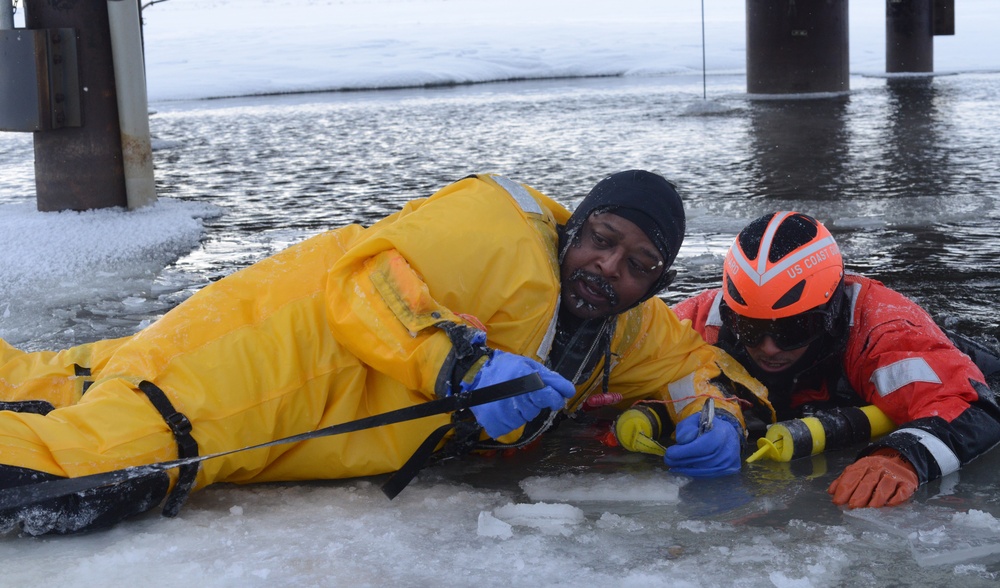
point(388, 321)
point(468, 256)
point(663, 359)
point(53, 378)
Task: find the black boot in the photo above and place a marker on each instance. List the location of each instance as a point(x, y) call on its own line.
point(83, 511)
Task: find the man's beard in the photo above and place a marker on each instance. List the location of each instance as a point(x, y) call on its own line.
point(599, 283)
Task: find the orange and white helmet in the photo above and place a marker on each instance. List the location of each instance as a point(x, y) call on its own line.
point(781, 265)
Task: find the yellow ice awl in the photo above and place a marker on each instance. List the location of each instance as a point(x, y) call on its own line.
point(833, 429)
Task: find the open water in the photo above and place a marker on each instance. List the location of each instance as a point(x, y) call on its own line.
point(904, 171)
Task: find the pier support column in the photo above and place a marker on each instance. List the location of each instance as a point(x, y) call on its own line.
point(797, 47)
point(77, 168)
point(909, 36)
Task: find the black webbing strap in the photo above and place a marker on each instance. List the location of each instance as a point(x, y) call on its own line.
point(404, 475)
point(29, 406)
point(186, 447)
point(28, 494)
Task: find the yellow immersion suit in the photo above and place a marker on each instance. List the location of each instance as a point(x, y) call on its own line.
point(336, 328)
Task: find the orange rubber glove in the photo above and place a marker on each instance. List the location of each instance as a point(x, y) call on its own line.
point(881, 479)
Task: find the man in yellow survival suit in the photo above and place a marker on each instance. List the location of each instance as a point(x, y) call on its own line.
point(484, 281)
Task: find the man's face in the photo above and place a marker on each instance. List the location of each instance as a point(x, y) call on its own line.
point(771, 358)
point(775, 344)
point(610, 266)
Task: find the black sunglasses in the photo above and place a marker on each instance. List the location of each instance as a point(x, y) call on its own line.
point(788, 333)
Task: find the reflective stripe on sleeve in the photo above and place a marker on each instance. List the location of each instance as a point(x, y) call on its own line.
point(946, 459)
point(519, 193)
point(550, 334)
point(888, 379)
point(682, 392)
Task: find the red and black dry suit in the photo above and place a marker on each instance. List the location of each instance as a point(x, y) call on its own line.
point(889, 353)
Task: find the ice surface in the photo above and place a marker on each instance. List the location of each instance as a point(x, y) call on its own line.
point(109, 255)
point(553, 519)
point(710, 107)
point(649, 488)
point(937, 535)
point(69, 246)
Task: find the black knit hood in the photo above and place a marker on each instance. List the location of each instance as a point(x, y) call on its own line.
point(644, 198)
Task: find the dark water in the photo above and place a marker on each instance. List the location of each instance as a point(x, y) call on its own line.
point(903, 171)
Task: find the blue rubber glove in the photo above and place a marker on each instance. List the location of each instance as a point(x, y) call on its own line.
point(713, 453)
point(503, 416)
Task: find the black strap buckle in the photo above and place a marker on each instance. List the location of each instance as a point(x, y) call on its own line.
point(187, 446)
point(179, 424)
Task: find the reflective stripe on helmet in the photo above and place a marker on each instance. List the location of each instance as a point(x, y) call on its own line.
point(791, 265)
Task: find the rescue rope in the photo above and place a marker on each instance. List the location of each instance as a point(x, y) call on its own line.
point(21, 496)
